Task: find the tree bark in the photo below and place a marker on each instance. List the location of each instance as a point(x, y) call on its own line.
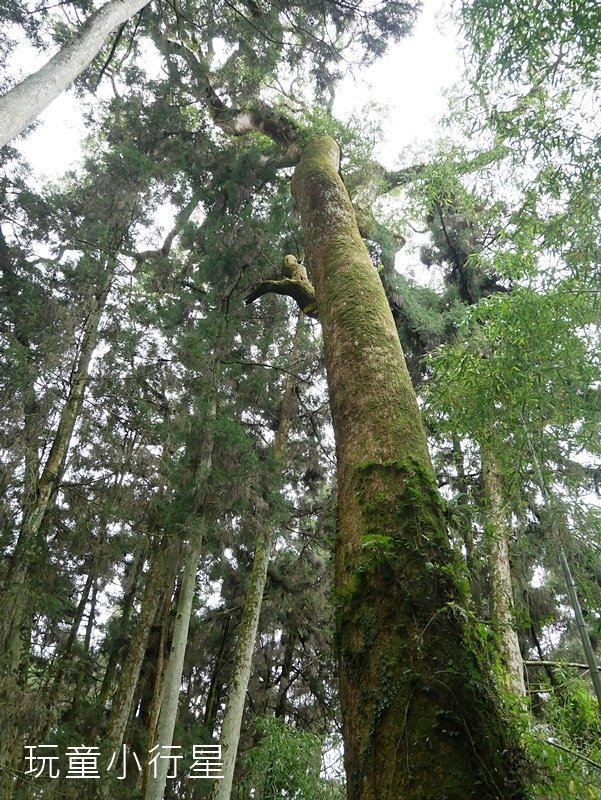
point(421, 716)
point(156, 581)
point(25, 101)
point(247, 633)
point(501, 592)
point(173, 672)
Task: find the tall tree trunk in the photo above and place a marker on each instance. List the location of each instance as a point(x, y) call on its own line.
point(173, 672)
point(22, 104)
point(127, 605)
point(172, 675)
point(216, 684)
point(421, 716)
point(247, 632)
point(64, 656)
point(501, 592)
point(82, 678)
point(581, 625)
point(17, 594)
point(559, 532)
point(156, 581)
point(287, 661)
point(467, 526)
point(159, 684)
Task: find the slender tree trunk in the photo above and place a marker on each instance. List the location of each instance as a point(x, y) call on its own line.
point(501, 592)
point(467, 527)
point(421, 716)
point(558, 525)
point(158, 575)
point(247, 632)
point(284, 682)
point(64, 656)
point(581, 625)
point(173, 672)
point(158, 689)
point(17, 594)
point(116, 654)
point(22, 104)
point(216, 684)
point(82, 678)
point(238, 684)
point(159, 684)
point(172, 676)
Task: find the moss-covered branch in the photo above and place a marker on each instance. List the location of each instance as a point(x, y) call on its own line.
point(294, 284)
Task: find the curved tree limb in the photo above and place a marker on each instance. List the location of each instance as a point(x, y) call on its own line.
point(294, 284)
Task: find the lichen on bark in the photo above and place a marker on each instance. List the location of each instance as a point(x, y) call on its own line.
point(422, 719)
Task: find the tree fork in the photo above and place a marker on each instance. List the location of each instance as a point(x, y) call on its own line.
point(421, 716)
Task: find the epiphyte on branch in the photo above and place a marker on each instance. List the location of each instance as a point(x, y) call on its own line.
point(294, 284)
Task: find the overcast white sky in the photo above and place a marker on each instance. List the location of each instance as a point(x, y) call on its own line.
point(409, 80)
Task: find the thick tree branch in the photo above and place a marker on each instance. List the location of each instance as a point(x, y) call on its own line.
point(180, 221)
point(394, 179)
point(22, 104)
point(257, 118)
point(294, 284)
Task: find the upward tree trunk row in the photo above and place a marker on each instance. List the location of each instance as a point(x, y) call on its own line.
point(18, 596)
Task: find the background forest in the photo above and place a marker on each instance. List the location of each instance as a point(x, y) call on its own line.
point(174, 572)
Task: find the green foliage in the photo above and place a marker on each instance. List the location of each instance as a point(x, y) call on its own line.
point(526, 362)
point(287, 763)
point(531, 39)
point(519, 367)
point(565, 747)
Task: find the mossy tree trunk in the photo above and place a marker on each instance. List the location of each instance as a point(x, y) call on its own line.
point(421, 717)
point(501, 591)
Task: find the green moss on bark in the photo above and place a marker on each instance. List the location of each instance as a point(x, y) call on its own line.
point(411, 656)
point(421, 717)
